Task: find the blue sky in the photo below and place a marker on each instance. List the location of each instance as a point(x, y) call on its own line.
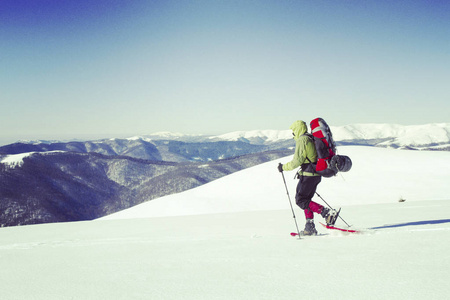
point(119, 68)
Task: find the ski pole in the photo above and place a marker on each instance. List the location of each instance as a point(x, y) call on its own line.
point(292, 208)
point(331, 208)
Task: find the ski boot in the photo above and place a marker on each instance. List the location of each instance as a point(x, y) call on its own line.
point(310, 228)
point(330, 215)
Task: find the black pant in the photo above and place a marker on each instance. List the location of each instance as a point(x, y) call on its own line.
point(306, 189)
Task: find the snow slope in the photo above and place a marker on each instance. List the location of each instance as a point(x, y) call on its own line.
point(378, 175)
point(242, 249)
point(16, 160)
point(247, 255)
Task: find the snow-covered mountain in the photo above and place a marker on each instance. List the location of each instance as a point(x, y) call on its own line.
point(156, 150)
point(190, 147)
point(431, 136)
point(258, 137)
point(428, 136)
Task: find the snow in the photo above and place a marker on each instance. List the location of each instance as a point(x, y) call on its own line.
point(172, 135)
point(411, 135)
point(401, 135)
point(16, 160)
point(418, 136)
point(247, 255)
point(378, 175)
point(261, 136)
point(229, 239)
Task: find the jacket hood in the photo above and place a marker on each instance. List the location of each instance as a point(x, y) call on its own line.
point(299, 128)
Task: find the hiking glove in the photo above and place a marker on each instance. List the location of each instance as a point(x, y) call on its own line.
point(280, 167)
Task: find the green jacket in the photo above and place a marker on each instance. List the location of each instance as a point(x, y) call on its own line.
point(304, 148)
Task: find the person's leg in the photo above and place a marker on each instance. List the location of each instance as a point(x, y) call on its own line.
point(315, 207)
point(306, 189)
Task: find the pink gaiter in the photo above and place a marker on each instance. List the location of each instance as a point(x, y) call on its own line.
point(313, 208)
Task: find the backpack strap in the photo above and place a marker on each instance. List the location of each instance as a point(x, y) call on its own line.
point(311, 139)
point(310, 166)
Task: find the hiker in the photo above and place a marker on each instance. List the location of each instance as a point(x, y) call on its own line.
point(305, 155)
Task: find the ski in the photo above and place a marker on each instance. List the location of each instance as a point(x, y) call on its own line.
point(340, 229)
point(302, 235)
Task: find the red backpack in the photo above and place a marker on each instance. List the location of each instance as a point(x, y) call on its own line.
point(328, 163)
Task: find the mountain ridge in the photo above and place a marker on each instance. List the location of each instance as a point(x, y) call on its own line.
point(187, 147)
point(399, 135)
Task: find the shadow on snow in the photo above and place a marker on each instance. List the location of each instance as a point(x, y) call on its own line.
point(429, 222)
